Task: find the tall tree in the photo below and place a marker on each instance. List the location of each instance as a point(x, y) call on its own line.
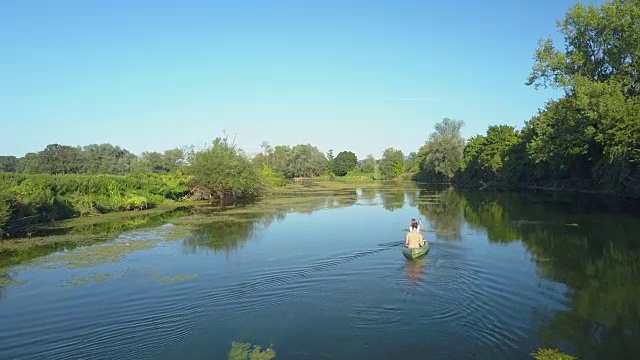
point(368, 164)
point(60, 159)
point(599, 71)
point(392, 163)
point(442, 153)
point(8, 163)
point(344, 162)
point(280, 160)
point(307, 160)
point(107, 159)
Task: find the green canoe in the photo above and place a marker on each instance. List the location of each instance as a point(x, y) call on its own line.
point(415, 252)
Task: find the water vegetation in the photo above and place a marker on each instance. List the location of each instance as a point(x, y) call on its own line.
point(246, 351)
point(172, 279)
point(597, 265)
point(551, 354)
point(88, 279)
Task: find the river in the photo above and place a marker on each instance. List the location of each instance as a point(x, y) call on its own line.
point(321, 276)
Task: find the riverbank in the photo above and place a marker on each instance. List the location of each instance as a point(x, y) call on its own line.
point(68, 234)
point(29, 201)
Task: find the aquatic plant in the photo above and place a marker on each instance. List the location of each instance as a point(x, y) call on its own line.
point(243, 351)
point(551, 354)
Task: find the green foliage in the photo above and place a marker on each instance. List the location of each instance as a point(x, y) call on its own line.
point(32, 199)
point(441, 156)
point(93, 159)
point(5, 210)
point(280, 159)
point(302, 160)
point(272, 178)
point(392, 163)
point(243, 351)
point(107, 159)
point(485, 157)
point(551, 354)
point(588, 139)
point(8, 164)
point(224, 172)
point(344, 162)
point(411, 163)
point(368, 164)
point(155, 162)
point(377, 173)
point(59, 159)
point(307, 161)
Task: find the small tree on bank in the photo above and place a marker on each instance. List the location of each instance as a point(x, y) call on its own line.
point(223, 172)
point(441, 156)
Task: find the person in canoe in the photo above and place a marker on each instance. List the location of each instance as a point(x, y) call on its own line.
point(414, 225)
point(414, 238)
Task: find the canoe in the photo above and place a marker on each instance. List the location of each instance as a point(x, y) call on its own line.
point(415, 252)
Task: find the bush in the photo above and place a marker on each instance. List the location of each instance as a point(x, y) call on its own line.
point(551, 354)
point(271, 178)
point(29, 199)
point(225, 172)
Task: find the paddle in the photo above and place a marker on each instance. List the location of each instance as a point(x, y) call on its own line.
point(420, 221)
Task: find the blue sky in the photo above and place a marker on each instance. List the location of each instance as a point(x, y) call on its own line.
point(342, 75)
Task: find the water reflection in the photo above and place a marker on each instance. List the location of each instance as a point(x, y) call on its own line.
point(368, 196)
point(226, 236)
point(597, 255)
point(392, 198)
point(444, 210)
point(227, 231)
point(415, 270)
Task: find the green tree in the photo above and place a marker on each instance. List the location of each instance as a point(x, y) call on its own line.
point(60, 159)
point(392, 163)
point(223, 172)
point(156, 162)
point(267, 151)
point(107, 159)
point(280, 160)
point(600, 74)
point(441, 155)
point(411, 162)
point(471, 173)
point(307, 160)
point(368, 164)
point(344, 162)
point(8, 163)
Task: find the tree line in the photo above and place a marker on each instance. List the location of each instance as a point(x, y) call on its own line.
point(588, 139)
point(92, 159)
point(62, 181)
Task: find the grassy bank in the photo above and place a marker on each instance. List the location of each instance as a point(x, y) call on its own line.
point(27, 201)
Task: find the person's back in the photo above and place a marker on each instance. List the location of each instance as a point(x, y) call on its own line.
point(414, 240)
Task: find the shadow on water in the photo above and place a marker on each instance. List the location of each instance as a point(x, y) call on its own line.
point(591, 247)
point(415, 271)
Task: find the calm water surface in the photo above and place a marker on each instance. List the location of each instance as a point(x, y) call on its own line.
point(324, 278)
